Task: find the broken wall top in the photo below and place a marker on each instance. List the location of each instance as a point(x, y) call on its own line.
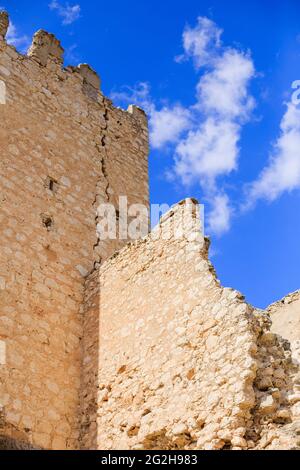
point(46, 51)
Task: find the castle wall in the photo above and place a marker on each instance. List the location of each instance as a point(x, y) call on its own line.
point(176, 351)
point(64, 149)
point(178, 361)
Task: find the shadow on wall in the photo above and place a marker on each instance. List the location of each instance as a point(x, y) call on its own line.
point(7, 443)
point(90, 363)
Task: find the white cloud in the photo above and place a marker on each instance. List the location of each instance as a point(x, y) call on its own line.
point(205, 136)
point(283, 170)
point(223, 105)
point(168, 124)
point(211, 149)
point(68, 13)
point(207, 152)
point(224, 90)
point(220, 215)
point(201, 43)
point(13, 37)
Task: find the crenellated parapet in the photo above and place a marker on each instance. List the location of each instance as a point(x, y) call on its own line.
point(91, 80)
point(46, 50)
point(46, 47)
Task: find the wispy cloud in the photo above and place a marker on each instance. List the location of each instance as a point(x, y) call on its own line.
point(17, 39)
point(201, 42)
point(220, 215)
point(282, 173)
point(68, 13)
point(138, 94)
point(168, 124)
point(211, 149)
point(205, 136)
point(71, 54)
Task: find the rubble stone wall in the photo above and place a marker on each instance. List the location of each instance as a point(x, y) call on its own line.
point(183, 363)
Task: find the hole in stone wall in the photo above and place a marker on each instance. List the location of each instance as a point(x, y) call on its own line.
point(51, 184)
point(47, 222)
point(122, 370)
point(227, 446)
point(133, 431)
point(191, 374)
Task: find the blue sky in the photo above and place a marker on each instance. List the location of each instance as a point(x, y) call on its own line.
point(216, 79)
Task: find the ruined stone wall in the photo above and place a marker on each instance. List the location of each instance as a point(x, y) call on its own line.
point(64, 149)
point(285, 322)
point(180, 362)
point(285, 317)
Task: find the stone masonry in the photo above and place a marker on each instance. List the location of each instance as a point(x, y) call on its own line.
point(64, 149)
point(181, 362)
point(117, 345)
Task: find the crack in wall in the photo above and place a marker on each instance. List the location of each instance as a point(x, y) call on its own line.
point(104, 175)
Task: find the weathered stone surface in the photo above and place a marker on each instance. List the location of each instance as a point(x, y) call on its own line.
point(182, 363)
point(285, 316)
point(62, 153)
point(45, 46)
point(89, 75)
point(12, 444)
point(4, 24)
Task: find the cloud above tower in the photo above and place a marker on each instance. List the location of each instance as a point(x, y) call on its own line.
point(68, 13)
point(204, 137)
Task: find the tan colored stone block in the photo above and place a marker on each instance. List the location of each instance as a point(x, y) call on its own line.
point(42, 440)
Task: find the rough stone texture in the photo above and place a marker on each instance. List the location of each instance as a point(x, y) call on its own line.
point(4, 23)
point(45, 47)
point(177, 360)
point(276, 413)
point(285, 316)
point(63, 151)
point(7, 443)
point(110, 346)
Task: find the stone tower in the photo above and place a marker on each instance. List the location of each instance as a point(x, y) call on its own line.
point(64, 149)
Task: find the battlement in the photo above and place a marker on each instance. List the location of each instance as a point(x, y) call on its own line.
point(46, 47)
point(47, 51)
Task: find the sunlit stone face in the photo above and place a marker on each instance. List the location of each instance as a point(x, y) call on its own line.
point(2, 92)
